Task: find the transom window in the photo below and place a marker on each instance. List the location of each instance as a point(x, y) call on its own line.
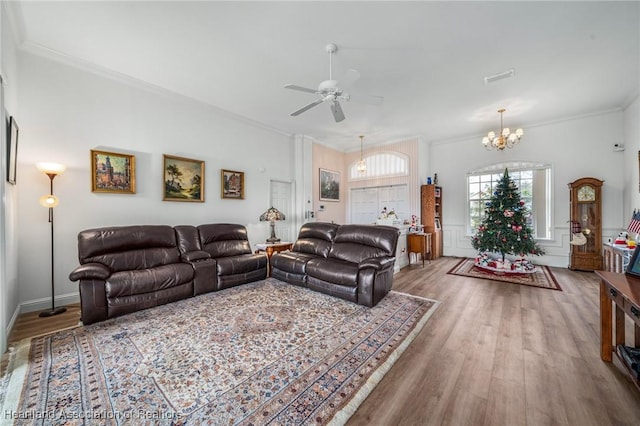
point(382, 164)
point(534, 184)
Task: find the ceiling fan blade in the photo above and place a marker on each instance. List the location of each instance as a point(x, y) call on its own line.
point(367, 99)
point(350, 77)
point(336, 110)
point(300, 88)
point(307, 107)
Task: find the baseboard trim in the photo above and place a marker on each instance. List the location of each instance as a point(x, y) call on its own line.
point(45, 303)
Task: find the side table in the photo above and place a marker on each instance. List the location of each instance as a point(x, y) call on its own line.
point(419, 242)
point(623, 292)
point(270, 248)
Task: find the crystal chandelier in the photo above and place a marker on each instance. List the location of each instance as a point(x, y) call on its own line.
point(362, 166)
point(505, 138)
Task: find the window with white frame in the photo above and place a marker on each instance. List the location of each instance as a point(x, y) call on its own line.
point(534, 184)
point(382, 164)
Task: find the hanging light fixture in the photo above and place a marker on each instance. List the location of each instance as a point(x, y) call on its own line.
point(362, 166)
point(504, 139)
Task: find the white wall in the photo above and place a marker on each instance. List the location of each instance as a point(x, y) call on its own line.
point(579, 147)
point(9, 286)
point(631, 155)
point(64, 112)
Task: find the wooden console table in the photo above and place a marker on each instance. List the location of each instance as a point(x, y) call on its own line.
point(624, 291)
point(419, 242)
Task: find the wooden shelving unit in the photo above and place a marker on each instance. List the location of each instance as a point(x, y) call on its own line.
point(431, 216)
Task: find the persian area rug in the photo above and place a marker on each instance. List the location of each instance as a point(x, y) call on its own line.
point(261, 353)
point(542, 278)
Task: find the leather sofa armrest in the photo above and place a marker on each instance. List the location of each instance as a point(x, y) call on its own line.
point(378, 263)
point(90, 271)
point(194, 256)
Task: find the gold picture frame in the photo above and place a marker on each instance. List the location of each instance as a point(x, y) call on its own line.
point(113, 172)
point(183, 179)
point(232, 184)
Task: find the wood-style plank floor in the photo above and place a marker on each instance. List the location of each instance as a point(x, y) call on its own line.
point(492, 354)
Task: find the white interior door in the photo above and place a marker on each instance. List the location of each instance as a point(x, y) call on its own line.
point(282, 199)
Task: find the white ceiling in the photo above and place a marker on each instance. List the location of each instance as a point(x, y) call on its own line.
point(427, 59)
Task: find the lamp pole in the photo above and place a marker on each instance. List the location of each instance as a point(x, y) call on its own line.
point(50, 201)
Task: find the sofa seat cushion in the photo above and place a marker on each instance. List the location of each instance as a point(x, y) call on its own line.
point(333, 271)
point(291, 262)
point(141, 281)
point(241, 264)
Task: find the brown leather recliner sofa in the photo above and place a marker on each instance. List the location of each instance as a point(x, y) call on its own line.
point(353, 262)
point(128, 268)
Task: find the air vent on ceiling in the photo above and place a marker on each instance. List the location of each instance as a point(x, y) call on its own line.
point(499, 76)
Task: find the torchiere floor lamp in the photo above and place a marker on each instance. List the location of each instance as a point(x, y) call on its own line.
point(50, 201)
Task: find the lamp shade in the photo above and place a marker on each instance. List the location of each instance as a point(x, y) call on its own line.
point(272, 214)
point(51, 168)
point(49, 201)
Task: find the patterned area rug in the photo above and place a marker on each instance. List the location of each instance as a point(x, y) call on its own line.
point(541, 278)
point(261, 353)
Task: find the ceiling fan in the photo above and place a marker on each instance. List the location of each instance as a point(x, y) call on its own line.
point(329, 91)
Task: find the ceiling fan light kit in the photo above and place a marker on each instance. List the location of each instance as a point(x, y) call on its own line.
point(330, 91)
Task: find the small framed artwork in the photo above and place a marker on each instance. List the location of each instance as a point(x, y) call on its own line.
point(633, 268)
point(232, 184)
point(329, 185)
point(12, 150)
point(183, 179)
point(113, 172)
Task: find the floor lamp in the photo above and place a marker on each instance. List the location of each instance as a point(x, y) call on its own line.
point(50, 201)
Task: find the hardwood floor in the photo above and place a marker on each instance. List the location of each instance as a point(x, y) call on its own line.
point(503, 354)
point(492, 354)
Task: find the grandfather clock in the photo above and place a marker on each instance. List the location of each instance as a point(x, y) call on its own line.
point(586, 219)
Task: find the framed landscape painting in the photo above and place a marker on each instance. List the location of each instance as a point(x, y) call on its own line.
point(232, 184)
point(113, 172)
point(329, 185)
point(183, 179)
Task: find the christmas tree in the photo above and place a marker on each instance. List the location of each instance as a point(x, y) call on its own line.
point(504, 227)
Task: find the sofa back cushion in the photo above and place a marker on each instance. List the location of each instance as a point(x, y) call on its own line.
point(126, 248)
point(355, 243)
point(315, 238)
point(224, 239)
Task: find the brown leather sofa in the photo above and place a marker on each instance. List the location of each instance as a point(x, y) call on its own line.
point(128, 268)
point(353, 262)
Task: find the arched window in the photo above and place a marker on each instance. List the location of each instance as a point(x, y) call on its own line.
point(381, 164)
point(534, 184)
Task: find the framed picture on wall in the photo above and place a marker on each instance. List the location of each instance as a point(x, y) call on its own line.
point(232, 184)
point(329, 185)
point(183, 179)
point(12, 150)
point(113, 172)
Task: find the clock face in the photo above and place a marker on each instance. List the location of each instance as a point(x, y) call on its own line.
point(586, 193)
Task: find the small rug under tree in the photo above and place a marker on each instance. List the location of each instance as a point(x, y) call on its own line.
point(261, 353)
point(542, 278)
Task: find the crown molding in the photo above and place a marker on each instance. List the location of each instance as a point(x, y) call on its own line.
point(92, 68)
point(533, 125)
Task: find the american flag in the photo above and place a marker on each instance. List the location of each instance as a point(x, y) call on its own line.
point(634, 225)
